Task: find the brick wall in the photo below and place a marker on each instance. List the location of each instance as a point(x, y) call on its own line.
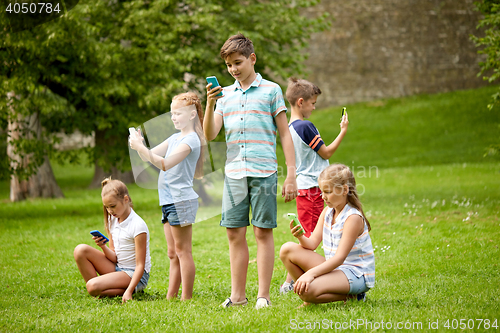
point(391, 48)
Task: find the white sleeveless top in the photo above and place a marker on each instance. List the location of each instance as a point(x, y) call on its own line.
point(361, 259)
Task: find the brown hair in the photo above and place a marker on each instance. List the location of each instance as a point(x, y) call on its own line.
point(300, 88)
point(340, 175)
point(119, 190)
point(237, 43)
point(190, 98)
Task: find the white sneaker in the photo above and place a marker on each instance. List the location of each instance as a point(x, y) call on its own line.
point(262, 302)
point(286, 287)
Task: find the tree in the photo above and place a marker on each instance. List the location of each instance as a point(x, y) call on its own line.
point(115, 64)
point(490, 68)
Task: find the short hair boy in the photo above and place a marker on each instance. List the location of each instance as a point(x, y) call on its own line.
point(311, 155)
point(251, 110)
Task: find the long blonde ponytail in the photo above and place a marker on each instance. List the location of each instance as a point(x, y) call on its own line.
point(340, 175)
point(119, 190)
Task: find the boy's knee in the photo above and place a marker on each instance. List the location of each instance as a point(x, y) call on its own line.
point(236, 234)
point(263, 234)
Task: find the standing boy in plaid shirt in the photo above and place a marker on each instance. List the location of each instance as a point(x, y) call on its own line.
point(252, 109)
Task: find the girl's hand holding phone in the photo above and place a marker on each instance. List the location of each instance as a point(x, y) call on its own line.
point(296, 230)
point(135, 140)
point(100, 241)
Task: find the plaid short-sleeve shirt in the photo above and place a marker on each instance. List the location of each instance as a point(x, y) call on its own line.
point(248, 117)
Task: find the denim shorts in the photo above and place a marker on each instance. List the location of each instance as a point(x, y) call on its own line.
point(180, 213)
point(130, 272)
point(257, 193)
point(357, 284)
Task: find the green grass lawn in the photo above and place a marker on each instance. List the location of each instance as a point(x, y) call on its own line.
point(433, 201)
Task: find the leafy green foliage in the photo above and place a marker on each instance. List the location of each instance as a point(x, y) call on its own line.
point(118, 64)
point(490, 44)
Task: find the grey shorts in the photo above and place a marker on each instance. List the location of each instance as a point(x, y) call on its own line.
point(130, 272)
point(256, 193)
point(357, 284)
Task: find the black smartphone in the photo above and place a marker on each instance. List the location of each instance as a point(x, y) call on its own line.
point(215, 83)
point(97, 233)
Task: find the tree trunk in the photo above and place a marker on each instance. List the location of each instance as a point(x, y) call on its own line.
point(42, 183)
point(102, 142)
point(199, 187)
point(99, 174)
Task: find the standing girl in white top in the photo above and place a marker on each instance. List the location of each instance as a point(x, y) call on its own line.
point(124, 266)
point(348, 267)
point(180, 160)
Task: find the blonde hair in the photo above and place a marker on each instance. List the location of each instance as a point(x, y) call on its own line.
point(300, 88)
point(190, 98)
point(237, 43)
point(340, 175)
point(119, 190)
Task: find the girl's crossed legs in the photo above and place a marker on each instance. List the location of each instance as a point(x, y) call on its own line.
point(92, 262)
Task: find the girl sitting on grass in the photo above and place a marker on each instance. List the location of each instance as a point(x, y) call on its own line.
point(180, 159)
point(124, 266)
point(348, 268)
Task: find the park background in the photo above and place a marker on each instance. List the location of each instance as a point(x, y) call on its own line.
point(423, 159)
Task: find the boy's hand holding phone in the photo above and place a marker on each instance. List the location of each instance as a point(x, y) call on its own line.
point(344, 121)
point(214, 90)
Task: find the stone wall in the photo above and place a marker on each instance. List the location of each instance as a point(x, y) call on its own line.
point(75, 141)
point(391, 48)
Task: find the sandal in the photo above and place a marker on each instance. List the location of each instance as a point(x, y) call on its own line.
point(228, 303)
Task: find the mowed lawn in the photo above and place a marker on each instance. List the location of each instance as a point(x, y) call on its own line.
point(432, 198)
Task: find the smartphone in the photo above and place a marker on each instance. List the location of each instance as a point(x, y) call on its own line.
point(131, 130)
point(215, 83)
point(344, 111)
point(296, 223)
point(97, 233)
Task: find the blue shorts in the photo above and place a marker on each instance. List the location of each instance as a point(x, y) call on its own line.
point(180, 213)
point(256, 193)
point(130, 272)
point(357, 284)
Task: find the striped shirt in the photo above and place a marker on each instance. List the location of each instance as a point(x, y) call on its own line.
point(248, 117)
point(361, 259)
